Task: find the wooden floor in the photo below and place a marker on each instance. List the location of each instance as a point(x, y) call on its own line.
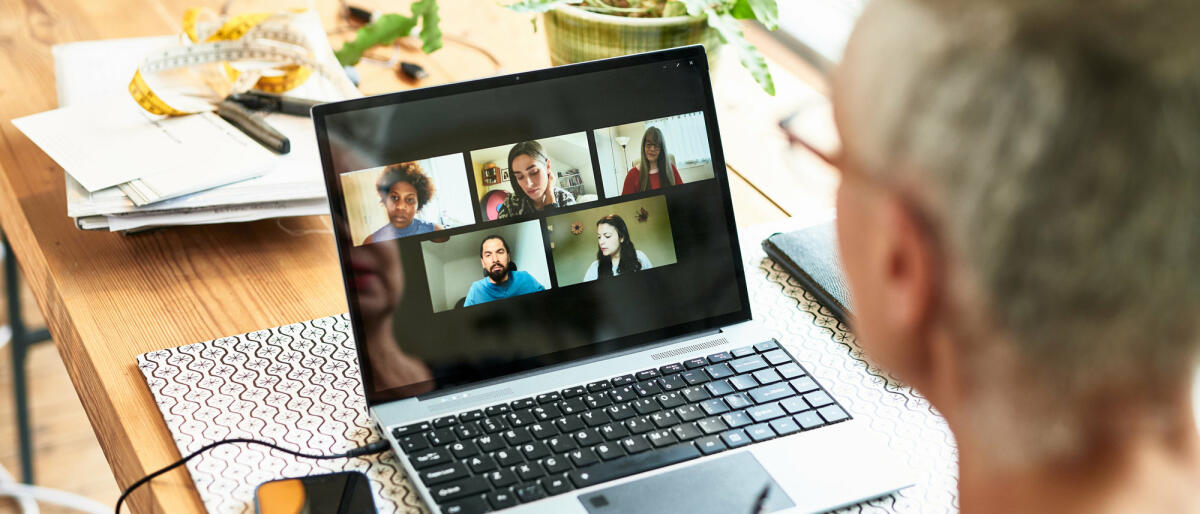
point(68, 457)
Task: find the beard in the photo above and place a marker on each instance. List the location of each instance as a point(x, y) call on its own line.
point(497, 274)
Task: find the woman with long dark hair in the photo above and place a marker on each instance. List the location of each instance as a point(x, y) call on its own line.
point(615, 254)
point(651, 171)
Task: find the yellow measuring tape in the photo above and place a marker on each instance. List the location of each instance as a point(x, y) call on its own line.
point(265, 51)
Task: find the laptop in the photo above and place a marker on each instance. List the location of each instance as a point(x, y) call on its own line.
point(551, 314)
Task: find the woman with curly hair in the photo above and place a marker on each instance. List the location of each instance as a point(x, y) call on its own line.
point(403, 190)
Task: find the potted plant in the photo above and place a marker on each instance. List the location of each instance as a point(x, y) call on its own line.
point(583, 30)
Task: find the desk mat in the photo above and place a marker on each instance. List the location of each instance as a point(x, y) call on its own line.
point(299, 386)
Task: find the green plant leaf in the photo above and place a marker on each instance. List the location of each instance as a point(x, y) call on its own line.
point(535, 6)
point(431, 34)
point(742, 10)
point(674, 8)
point(379, 32)
point(696, 7)
point(766, 11)
point(751, 59)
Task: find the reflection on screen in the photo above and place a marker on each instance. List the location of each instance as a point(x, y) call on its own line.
point(585, 222)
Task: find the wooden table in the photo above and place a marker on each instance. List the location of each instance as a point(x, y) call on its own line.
point(108, 297)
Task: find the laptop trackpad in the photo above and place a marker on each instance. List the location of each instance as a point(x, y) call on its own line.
point(727, 485)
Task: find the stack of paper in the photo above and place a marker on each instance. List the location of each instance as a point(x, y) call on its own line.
point(128, 169)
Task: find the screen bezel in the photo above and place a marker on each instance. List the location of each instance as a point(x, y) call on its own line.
point(344, 242)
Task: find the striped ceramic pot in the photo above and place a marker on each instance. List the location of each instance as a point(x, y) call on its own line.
point(576, 35)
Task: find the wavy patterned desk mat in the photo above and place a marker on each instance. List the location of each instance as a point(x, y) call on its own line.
point(298, 386)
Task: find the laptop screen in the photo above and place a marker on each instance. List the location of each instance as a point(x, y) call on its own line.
point(504, 225)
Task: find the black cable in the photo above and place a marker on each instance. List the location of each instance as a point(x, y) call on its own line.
point(376, 447)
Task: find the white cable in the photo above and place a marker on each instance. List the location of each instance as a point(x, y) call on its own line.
point(26, 502)
point(54, 497)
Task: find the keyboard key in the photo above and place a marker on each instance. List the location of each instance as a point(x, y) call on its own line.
point(646, 405)
point(445, 421)
point(748, 364)
point(426, 458)
point(620, 412)
point(635, 444)
point(689, 413)
point(473, 415)
point(647, 388)
point(583, 457)
point(743, 382)
point(719, 388)
point(595, 418)
point(623, 394)
point(413, 442)
point(738, 401)
point(766, 346)
point(542, 430)
point(766, 412)
point(551, 397)
point(698, 362)
point(459, 489)
point(496, 410)
point(833, 414)
point(672, 383)
point(587, 437)
point(546, 412)
point(695, 394)
point(468, 430)
point(767, 376)
point(534, 450)
point(686, 431)
point(501, 499)
point(471, 505)
point(719, 357)
point(735, 438)
point(530, 492)
point(777, 357)
point(561, 443)
point(554, 464)
point(523, 403)
point(614, 431)
point(507, 456)
point(671, 368)
point(790, 370)
point(794, 405)
point(572, 406)
point(414, 428)
point(572, 392)
point(599, 385)
point(818, 399)
point(785, 426)
point(771, 393)
point(647, 374)
point(493, 425)
point(661, 438)
point(481, 463)
point(808, 420)
point(711, 444)
point(444, 473)
point(760, 432)
point(557, 484)
point(489, 443)
point(665, 419)
point(639, 425)
point(520, 418)
point(502, 477)
point(441, 437)
point(609, 450)
point(623, 380)
point(736, 419)
point(743, 351)
point(517, 436)
point(632, 465)
point(804, 384)
point(463, 449)
point(695, 376)
point(719, 371)
point(712, 425)
point(529, 471)
point(569, 424)
point(597, 400)
point(670, 400)
point(714, 406)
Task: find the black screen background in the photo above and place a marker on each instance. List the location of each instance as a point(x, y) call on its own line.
point(704, 289)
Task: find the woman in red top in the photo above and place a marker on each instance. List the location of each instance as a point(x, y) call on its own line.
point(654, 159)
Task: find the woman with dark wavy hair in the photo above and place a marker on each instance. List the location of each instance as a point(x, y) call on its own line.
point(615, 254)
point(404, 189)
point(655, 170)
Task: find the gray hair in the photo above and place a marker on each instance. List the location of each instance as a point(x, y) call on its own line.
point(1055, 149)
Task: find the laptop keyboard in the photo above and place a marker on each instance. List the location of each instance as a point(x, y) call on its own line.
point(525, 450)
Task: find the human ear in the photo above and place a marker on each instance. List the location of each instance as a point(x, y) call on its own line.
point(910, 270)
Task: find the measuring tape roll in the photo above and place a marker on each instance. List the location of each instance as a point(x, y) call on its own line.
point(269, 52)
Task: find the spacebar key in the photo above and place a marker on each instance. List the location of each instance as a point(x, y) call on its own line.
point(633, 465)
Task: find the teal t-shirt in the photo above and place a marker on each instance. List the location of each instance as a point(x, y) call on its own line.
point(518, 283)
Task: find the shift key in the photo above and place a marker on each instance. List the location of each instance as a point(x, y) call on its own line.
point(459, 489)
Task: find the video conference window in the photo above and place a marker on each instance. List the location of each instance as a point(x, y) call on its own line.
point(528, 177)
point(636, 157)
point(485, 266)
point(610, 241)
point(407, 198)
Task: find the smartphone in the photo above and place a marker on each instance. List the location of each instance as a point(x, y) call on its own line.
point(347, 492)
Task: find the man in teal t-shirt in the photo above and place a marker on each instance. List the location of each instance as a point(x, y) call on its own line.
point(502, 280)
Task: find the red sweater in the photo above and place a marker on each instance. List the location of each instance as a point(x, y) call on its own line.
point(634, 179)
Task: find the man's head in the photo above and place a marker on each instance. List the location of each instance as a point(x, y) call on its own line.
point(496, 259)
point(1019, 214)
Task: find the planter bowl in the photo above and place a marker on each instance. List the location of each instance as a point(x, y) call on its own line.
point(577, 35)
